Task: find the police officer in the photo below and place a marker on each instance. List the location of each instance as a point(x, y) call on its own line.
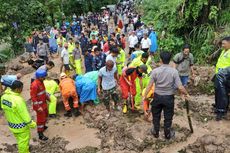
point(17, 116)
point(166, 79)
point(222, 80)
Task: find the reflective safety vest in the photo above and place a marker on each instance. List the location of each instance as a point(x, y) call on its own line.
point(223, 60)
point(61, 41)
point(51, 86)
point(121, 58)
point(15, 110)
point(71, 48)
point(137, 62)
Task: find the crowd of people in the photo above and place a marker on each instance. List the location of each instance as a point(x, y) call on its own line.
point(95, 68)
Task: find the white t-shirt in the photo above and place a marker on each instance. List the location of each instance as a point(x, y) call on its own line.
point(110, 57)
point(133, 40)
point(145, 43)
point(65, 56)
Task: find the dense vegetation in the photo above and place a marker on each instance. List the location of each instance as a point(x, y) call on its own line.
point(19, 17)
point(202, 23)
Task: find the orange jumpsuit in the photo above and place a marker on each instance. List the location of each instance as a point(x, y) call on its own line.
point(39, 97)
point(68, 89)
point(131, 74)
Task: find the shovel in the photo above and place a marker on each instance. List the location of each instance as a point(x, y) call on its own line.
point(188, 115)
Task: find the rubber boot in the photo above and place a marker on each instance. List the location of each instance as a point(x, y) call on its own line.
point(169, 134)
point(45, 128)
point(125, 108)
point(42, 137)
point(76, 112)
point(68, 114)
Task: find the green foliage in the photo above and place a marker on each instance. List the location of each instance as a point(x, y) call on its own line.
point(194, 22)
point(36, 14)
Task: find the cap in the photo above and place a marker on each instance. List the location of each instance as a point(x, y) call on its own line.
point(63, 75)
point(144, 68)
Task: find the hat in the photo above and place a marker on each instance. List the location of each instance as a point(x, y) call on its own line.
point(144, 68)
point(63, 75)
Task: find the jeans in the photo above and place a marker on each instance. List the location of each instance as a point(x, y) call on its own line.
point(184, 80)
point(165, 103)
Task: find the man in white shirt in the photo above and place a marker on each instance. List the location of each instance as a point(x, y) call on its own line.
point(133, 40)
point(113, 55)
point(145, 43)
point(65, 59)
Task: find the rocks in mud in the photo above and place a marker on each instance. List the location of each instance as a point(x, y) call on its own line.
point(209, 144)
point(55, 145)
point(24, 57)
point(127, 132)
point(201, 111)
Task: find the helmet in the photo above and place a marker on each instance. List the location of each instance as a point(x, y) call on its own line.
point(63, 75)
point(40, 73)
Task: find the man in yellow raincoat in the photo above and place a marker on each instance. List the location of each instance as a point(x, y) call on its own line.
point(77, 58)
point(17, 116)
point(51, 88)
point(120, 60)
point(143, 59)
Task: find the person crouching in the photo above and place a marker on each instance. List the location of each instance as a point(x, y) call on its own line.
point(68, 91)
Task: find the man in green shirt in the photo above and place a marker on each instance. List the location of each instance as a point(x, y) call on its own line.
point(183, 62)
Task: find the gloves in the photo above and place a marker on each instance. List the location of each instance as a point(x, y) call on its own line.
point(32, 125)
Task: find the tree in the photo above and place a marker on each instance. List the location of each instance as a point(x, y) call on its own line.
point(187, 21)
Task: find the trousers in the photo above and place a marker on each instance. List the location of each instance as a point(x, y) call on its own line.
point(78, 66)
point(222, 88)
point(23, 140)
point(165, 103)
point(66, 100)
point(52, 104)
point(41, 120)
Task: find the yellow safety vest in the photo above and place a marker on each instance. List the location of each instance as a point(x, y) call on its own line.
point(223, 60)
point(15, 110)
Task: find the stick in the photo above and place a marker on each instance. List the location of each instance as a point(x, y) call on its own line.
point(131, 96)
point(188, 115)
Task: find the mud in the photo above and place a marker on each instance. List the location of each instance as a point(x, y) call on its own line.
point(128, 132)
point(55, 145)
point(209, 144)
point(200, 111)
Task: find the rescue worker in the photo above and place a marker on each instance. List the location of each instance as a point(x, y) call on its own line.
point(146, 102)
point(143, 59)
point(7, 80)
point(71, 47)
point(68, 91)
point(17, 116)
point(222, 80)
point(166, 79)
point(120, 60)
point(39, 97)
point(77, 58)
point(51, 88)
point(127, 83)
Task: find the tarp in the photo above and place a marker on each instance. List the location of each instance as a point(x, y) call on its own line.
point(93, 75)
point(153, 38)
point(86, 89)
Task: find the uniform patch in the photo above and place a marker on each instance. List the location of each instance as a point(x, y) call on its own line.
point(7, 103)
